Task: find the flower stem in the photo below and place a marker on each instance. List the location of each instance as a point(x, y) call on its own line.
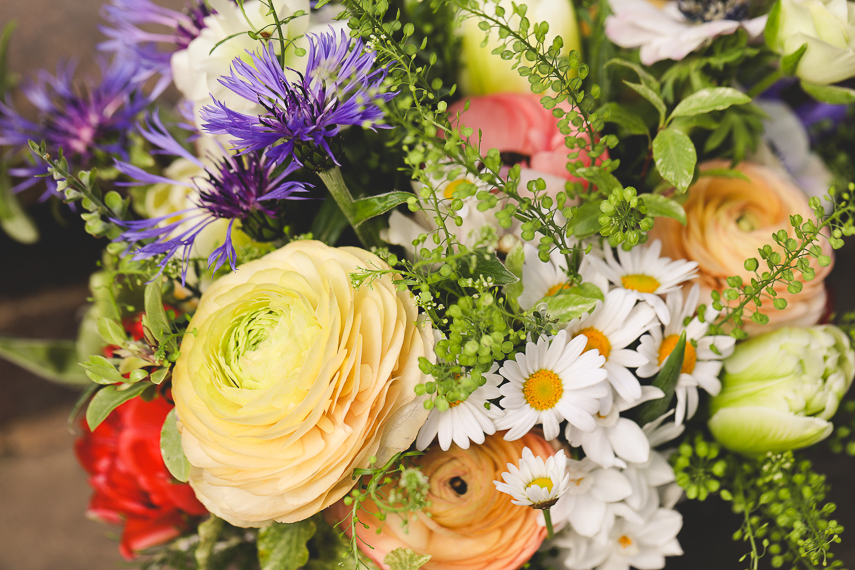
point(765, 83)
point(548, 518)
point(334, 182)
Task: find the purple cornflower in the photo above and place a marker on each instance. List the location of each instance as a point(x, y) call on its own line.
point(233, 188)
point(338, 89)
point(94, 119)
point(151, 51)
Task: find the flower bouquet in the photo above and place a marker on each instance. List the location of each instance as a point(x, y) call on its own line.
point(453, 284)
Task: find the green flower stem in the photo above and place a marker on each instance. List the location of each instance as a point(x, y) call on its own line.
point(765, 83)
point(334, 182)
point(548, 518)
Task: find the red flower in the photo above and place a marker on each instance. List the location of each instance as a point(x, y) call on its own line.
point(131, 482)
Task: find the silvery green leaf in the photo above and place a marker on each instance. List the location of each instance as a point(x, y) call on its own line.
point(172, 450)
point(572, 303)
point(283, 546)
point(101, 371)
point(155, 316)
point(405, 559)
point(675, 157)
point(709, 100)
point(659, 206)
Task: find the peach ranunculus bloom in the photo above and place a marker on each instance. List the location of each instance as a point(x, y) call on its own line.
point(727, 220)
point(293, 378)
point(471, 526)
point(518, 124)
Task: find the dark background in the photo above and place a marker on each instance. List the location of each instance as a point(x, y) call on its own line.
point(43, 493)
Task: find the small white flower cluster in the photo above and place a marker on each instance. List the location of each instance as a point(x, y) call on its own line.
point(614, 506)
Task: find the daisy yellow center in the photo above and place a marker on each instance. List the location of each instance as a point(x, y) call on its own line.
point(625, 541)
point(597, 340)
point(455, 403)
point(542, 482)
point(542, 390)
point(555, 289)
point(452, 186)
point(639, 282)
point(689, 356)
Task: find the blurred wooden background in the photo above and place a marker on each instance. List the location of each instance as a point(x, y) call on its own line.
point(43, 493)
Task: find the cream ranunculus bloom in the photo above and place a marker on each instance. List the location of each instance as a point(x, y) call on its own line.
point(293, 379)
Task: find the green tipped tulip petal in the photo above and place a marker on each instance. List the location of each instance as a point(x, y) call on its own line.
point(756, 430)
point(780, 389)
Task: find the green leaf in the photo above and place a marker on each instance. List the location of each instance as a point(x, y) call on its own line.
point(372, 206)
point(101, 371)
point(675, 157)
point(158, 376)
point(13, 219)
point(686, 124)
point(773, 24)
point(172, 450)
point(108, 399)
point(659, 206)
point(603, 179)
point(829, 93)
point(209, 532)
point(488, 265)
point(709, 100)
point(155, 315)
point(329, 223)
point(789, 63)
point(5, 76)
point(646, 79)
point(621, 116)
point(587, 223)
point(405, 559)
point(283, 546)
point(514, 263)
point(54, 360)
point(651, 96)
point(572, 303)
point(111, 332)
point(666, 381)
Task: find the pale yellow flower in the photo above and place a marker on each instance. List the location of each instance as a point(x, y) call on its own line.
point(293, 379)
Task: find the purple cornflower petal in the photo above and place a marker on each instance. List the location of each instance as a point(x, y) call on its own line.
point(129, 24)
point(338, 89)
point(233, 188)
point(96, 118)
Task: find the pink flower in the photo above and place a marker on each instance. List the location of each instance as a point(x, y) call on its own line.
point(523, 131)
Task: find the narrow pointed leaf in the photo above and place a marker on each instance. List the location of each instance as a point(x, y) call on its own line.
point(666, 381)
point(367, 208)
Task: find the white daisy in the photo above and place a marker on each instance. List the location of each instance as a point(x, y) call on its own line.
point(464, 421)
point(616, 440)
point(655, 476)
point(536, 483)
point(610, 328)
point(587, 501)
point(701, 365)
point(542, 280)
point(551, 382)
point(638, 544)
point(648, 275)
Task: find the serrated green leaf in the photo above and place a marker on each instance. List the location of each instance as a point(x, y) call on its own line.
point(155, 315)
point(108, 399)
point(172, 450)
point(329, 223)
point(101, 371)
point(646, 79)
point(651, 96)
point(789, 63)
point(675, 157)
point(489, 266)
point(572, 303)
point(666, 381)
point(659, 206)
point(405, 559)
point(587, 223)
point(514, 263)
point(604, 180)
point(372, 206)
point(111, 331)
point(621, 116)
point(54, 360)
point(709, 100)
point(283, 546)
point(833, 94)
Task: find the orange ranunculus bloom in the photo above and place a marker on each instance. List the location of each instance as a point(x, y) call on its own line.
point(728, 219)
point(471, 526)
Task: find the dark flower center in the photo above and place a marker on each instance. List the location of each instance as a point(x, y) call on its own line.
point(700, 11)
point(458, 485)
